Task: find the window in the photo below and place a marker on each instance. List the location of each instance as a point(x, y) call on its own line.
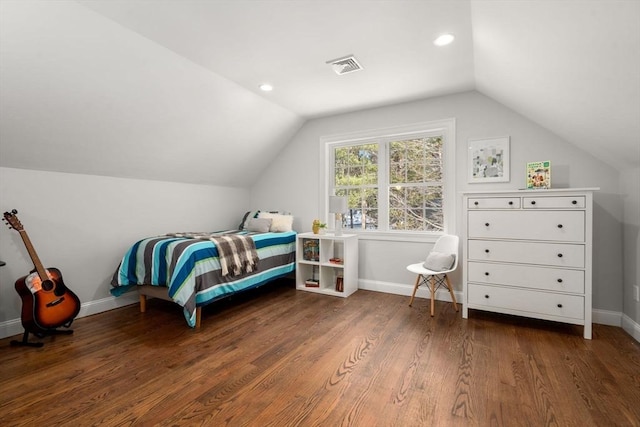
point(415, 184)
point(398, 180)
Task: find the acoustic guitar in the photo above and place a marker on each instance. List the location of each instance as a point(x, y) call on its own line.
point(46, 302)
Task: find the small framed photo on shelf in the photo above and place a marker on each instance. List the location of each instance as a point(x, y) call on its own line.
point(311, 249)
point(339, 284)
point(539, 175)
point(488, 160)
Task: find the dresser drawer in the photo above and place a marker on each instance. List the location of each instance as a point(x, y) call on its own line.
point(531, 303)
point(563, 202)
point(494, 203)
point(553, 279)
point(548, 254)
point(562, 226)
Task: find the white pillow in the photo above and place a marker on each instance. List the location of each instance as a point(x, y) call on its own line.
point(261, 225)
point(439, 261)
point(279, 223)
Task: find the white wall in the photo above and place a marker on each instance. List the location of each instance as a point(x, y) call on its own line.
point(292, 182)
point(83, 224)
point(80, 90)
point(630, 190)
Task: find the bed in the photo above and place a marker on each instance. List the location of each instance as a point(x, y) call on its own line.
point(187, 268)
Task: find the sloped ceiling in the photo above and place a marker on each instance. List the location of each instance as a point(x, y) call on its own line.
point(571, 66)
point(168, 90)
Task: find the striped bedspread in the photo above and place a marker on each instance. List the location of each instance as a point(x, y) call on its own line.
point(190, 267)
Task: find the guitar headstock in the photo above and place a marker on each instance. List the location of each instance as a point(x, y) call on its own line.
point(12, 220)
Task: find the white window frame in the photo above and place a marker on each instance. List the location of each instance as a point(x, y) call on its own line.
point(445, 127)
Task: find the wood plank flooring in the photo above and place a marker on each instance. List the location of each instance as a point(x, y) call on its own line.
point(280, 357)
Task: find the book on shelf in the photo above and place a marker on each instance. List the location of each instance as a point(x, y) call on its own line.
point(539, 175)
point(311, 283)
point(340, 284)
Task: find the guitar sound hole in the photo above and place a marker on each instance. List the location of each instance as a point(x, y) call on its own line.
point(47, 285)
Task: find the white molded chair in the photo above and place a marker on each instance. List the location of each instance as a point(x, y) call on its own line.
point(447, 244)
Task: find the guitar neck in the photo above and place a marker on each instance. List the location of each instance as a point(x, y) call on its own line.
point(42, 272)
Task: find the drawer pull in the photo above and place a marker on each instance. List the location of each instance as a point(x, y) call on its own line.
point(533, 202)
point(559, 255)
point(559, 280)
point(510, 202)
point(574, 202)
point(559, 305)
point(486, 273)
point(486, 250)
point(486, 296)
point(476, 203)
point(486, 224)
point(559, 225)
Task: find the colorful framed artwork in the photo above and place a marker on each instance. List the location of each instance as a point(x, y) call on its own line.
point(488, 160)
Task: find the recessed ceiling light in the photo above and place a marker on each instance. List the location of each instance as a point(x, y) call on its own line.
point(266, 87)
point(444, 40)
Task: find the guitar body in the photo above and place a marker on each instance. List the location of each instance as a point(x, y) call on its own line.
point(46, 304)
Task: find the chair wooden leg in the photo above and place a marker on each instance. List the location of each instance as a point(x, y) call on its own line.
point(415, 288)
point(453, 296)
point(433, 295)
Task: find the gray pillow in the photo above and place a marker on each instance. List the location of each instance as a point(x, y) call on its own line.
point(439, 261)
point(261, 225)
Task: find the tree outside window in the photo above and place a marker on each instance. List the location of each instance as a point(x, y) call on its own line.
point(393, 184)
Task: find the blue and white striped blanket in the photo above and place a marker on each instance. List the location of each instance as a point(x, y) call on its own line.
point(190, 267)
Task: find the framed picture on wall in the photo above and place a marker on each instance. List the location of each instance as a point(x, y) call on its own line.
point(488, 160)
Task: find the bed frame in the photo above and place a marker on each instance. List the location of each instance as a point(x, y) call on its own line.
point(160, 292)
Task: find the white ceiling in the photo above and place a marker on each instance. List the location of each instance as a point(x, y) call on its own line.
point(288, 43)
point(180, 78)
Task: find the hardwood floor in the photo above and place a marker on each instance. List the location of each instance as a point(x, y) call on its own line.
point(280, 357)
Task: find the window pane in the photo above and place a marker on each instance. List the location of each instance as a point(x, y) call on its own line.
point(396, 219)
point(433, 172)
point(397, 172)
point(415, 172)
point(370, 174)
point(415, 203)
point(370, 218)
point(396, 197)
point(433, 214)
point(415, 197)
point(356, 165)
point(363, 207)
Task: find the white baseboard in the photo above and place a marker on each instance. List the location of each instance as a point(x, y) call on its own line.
point(631, 327)
point(403, 289)
point(602, 317)
point(13, 327)
point(606, 317)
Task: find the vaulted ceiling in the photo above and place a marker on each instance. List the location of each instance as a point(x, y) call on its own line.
point(169, 89)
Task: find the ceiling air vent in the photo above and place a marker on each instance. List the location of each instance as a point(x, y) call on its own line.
point(345, 65)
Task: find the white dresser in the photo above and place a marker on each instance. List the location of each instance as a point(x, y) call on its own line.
point(528, 253)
